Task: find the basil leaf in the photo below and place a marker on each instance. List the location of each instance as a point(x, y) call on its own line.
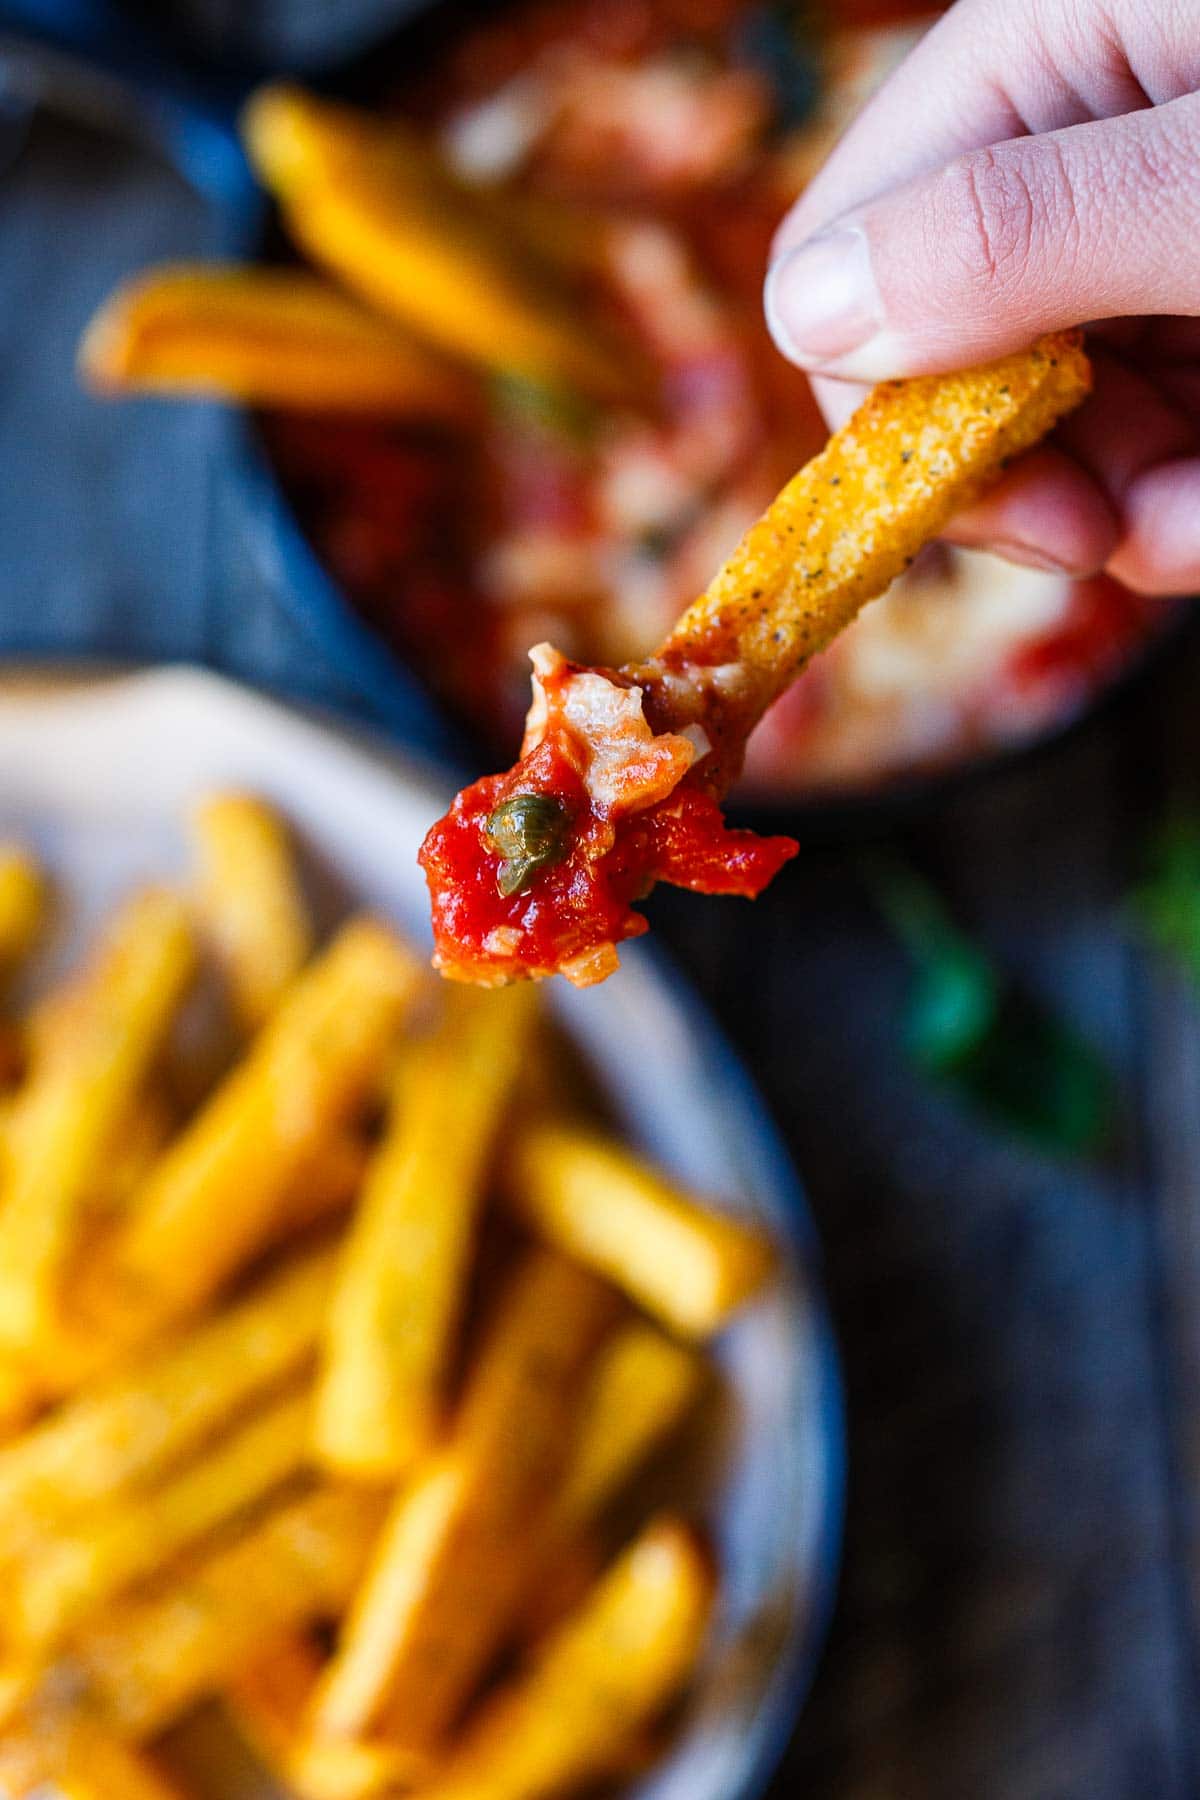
point(535, 406)
point(996, 1047)
point(1166, 906)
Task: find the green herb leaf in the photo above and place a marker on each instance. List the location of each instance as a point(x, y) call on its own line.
point(535, 406)
point(995, 1046)
point(530, 832)
point(954, 1000)
point(1034, 1074)
point(1167, 904)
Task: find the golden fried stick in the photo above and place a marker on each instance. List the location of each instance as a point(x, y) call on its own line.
point(73, 1577)
point(264, 337)
point(400, 1287)
point(125, 1433)
point(23, 901)
point(63, 1122)
point(251, 903)
point(218, 1193)
point(533, 872)
point(689, 1264)
point(269, 1704)
point(68, 1753)
point(421, 247)
point(605, 1674)
point(151, 1657)
point(463, 1537)
point(914, 454)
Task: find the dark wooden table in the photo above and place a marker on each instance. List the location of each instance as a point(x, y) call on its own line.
point(1018, 1613)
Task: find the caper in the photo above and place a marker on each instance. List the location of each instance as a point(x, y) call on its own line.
point(530, 832)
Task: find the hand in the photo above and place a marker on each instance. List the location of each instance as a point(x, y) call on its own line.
point(1033, 164)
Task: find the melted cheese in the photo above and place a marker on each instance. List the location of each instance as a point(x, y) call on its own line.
point(624, 765)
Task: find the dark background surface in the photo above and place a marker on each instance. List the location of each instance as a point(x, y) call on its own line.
point(1017, 1616)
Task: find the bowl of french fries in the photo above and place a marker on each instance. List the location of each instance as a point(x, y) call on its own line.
point(403, 1389)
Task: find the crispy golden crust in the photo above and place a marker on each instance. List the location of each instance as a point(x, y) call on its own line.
point(264, 337)
point(915, 453)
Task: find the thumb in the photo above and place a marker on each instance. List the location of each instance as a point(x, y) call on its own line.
point(998, 246)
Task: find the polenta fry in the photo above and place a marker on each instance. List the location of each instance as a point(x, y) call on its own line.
point(64, 1123)
point(137, 1142)
point(451, 1564)
point(602, 1677)
point(536, 871)
point(74, 1576)
point(570, 1569)
point(264, 337)
point(399, 1292)
point(84, 1760)
point(252, 907)
point(915, 453)
point(269, 1703)
point(217, 1194)
point(151, 1658)
point(21, 1395)
point(123, 1434)
point(326, 1184)
point(298, 140)
point(23, 900)
point(420, 247)
point(641, 1387)
point(24, 1753)
point(690, 1266)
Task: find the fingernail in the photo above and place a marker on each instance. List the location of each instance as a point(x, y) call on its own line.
point(821, 300)
point(1028, 557)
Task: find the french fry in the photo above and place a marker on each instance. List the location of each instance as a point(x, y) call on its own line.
point(269, 1704)
point(399, 1292)
point(149, 1659)
point(264, 337)
point(570, 1570)
point(642, 1386)
point(63, 1125)
point(131, 1430)
point(86, 1761)
point(421, 248)
point(23, 900)
point(915, 453)
point(603, 1676)
point(298, 140)
point(252, 907)
point(507, 865)
point(462, 1539)
point(137, 1142)
point(21, 1394)
point(326, 1184)
point(24, 1755)
point(74, 1576)
point(688, 1265)
point(218, 1193)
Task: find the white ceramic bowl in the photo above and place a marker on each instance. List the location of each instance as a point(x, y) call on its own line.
point(98, 774)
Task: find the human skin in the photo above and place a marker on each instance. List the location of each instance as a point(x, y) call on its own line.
point(1033, 164)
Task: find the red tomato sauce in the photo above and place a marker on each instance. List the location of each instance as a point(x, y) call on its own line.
point(583, 902)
